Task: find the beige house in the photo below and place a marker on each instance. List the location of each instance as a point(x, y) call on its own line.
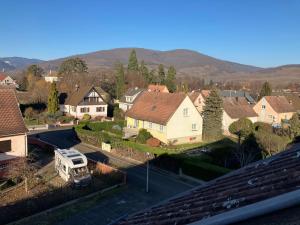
point(198, 98)
point(274, 109)
point(171, 118)
point(13, 137)
point(84, 100)
point(235, 109)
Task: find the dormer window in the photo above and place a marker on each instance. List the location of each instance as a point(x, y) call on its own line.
point(263, 106)
point(128, 99)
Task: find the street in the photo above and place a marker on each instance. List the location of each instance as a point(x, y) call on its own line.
point(133, 198)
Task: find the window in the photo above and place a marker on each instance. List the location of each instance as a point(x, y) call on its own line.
point(136, 123)
point(150, 125)
point(5, 146)
point(263, 107)
point(100, 109)
point(3, 166)
point(84, 109)
point(194, 126)
point(73, 109)
point(185, 112)
point(161, 128)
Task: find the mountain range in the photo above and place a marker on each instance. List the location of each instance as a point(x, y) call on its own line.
point(186, 62)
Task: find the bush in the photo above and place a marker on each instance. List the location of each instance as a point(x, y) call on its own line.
point(29, 113)
point(143, 136)
point(65, 119)
point(118, 113)
point(260, 126)
point(86, 117)
point(242, 127)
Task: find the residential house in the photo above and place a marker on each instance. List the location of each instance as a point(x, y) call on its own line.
point(84, 100)
point(13, 137)
point(237, 94)
point(293, 98)
point(171, 118)
point(235, 108)
point(127, 100)
point(266, 186)
point(198, 98)
point(274, 109)
point(158, 88)
point(6, 80)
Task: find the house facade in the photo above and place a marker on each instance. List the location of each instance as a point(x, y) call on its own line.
point(171, 118)
point(13, 132)
point(129, 97)
point(198, 98)
point(84, 100)
point(8, 81)
point(235, 109)
point(274, 109)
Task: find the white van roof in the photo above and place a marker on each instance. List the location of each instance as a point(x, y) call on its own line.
point(73, 157)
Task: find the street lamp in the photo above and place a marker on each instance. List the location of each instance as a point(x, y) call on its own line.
point(147, 179)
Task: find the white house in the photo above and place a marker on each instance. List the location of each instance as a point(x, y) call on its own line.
point(84, 100)
point(7, 81)
point(52, 77)
point(129, 97)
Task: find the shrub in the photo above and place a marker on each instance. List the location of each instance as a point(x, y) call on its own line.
point(86, 117)
point(143, 136)
point(29, 113)
point(65, 119)
point(242, 127)
point(260, 126)
point(118, 113)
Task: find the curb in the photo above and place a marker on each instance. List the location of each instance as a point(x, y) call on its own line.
point(67, 203)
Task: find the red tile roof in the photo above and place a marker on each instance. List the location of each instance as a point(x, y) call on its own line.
point(158, 88)
point(238, 108)
point(194, 95)
point(280, 104)
point(156, 107)
point(248, 186)
point(11, 120)
point(2, 76)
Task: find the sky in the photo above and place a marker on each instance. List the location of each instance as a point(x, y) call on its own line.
point(263, 33)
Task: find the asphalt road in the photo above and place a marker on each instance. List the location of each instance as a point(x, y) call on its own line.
point(134, 197)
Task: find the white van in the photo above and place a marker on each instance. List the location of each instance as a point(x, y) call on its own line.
point(71, 165)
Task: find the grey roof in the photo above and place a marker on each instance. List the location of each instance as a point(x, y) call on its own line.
point(234, 93)
point(131, 92)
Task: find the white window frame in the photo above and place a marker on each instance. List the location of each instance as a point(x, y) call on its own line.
point(194, 127)
point(150, 124)
point(161, 128)
point(186, 112)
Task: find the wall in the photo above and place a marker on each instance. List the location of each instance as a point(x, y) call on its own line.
point(18, 146)
point(179, 127)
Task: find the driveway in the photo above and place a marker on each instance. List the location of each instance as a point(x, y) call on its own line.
point(133, 198)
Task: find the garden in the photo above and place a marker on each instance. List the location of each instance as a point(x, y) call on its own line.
point(203, 164)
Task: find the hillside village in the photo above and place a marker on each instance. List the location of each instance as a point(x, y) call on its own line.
point(203, 135)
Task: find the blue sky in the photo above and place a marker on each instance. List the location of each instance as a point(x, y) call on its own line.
point(256, 32)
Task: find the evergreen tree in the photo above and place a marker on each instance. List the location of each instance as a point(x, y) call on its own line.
point(295, 125)
point(161, 74)
point(133, 64)
point(144, 72)
point(266, 90)
point(170, 80)
point(53, 99)
point(120, 80)
point(212, 116)
point(73, 65)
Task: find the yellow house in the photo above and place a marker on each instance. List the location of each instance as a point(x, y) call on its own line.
point(170, 117)
point(274, 109)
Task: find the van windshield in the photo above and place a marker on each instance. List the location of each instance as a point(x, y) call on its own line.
point(78, 172)
point(77, 161)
